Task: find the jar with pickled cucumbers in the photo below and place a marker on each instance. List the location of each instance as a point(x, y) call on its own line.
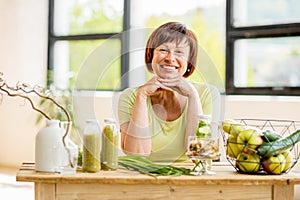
point(110, 144)
point(91, 146)
point(204, 129)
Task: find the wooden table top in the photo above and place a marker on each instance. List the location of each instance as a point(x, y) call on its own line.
point(225, 174)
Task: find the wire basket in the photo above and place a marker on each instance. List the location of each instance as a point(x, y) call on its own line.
point(250, 146)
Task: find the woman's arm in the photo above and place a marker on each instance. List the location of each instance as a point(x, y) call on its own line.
point(135, 134)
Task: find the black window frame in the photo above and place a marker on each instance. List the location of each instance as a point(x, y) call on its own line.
point(248, 32)
point(122, 36)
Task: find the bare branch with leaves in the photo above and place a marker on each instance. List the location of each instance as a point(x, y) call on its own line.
point(23, 90)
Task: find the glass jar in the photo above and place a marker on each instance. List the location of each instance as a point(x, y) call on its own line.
point(70, 153)
point(91, 146)
point(204, 129)
point(110, 143)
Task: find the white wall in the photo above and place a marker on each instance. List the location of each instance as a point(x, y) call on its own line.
point(23, 40)
point(23, 53)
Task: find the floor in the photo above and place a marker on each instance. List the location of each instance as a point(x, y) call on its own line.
point(11, 189)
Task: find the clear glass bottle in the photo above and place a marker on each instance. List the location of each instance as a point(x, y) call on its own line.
point(110, 143)
point(91, 146)
point(70, 153)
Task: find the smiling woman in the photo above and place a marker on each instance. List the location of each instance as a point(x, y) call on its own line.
point(157, 117)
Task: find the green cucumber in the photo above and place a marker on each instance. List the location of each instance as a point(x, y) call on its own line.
point(279, 146)
point(270, 136)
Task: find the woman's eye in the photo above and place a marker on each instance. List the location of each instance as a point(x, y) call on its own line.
point(163, 50)
point(179, 52)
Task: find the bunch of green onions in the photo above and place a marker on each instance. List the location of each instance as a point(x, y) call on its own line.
point(145, 166)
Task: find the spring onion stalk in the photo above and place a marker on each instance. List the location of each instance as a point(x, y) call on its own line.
point(145, 166)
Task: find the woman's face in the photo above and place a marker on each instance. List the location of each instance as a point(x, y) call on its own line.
point(170, 58)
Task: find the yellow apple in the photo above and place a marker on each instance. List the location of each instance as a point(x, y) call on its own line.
point(289, 160)
point(232, 147)
point(249, 163)
point(248, 140)
point(228, 123)
point(236, 129)
point(274, 164)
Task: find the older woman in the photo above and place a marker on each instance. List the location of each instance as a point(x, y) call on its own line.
point(156, 118)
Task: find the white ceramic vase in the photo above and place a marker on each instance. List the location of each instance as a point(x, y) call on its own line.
point(49, 148)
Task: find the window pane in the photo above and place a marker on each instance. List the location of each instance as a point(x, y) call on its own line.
point(92, 64)
point(267, 62)
point(87, 17)
point(265, 12)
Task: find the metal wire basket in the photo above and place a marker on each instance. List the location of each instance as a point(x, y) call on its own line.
point(244, 155)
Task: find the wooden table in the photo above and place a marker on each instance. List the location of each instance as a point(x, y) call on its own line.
point(125, 184)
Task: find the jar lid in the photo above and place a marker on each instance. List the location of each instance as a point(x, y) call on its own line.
point(109, 120)
point(204, 116)
point(91, 121)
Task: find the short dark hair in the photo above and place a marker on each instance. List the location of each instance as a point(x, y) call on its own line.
point(170, 32)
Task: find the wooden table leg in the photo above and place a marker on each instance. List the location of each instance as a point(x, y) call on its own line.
point(283, 192)
point(44, 191)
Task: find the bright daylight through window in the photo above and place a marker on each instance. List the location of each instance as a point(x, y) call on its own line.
point(103, 41)
point(263, 47)
point(99, 44)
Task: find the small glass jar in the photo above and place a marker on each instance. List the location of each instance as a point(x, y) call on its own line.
point(91, 146)
point(70, 153)
point(110, 144)
point(204, 131)
point(204, 128)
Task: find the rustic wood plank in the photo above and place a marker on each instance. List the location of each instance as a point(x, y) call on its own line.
point(225, 175)
point(44, 191)
point(100, 191)
point(125, 184)
point(283, 192)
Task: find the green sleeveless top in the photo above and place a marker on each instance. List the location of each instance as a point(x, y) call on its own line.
point(168, 137)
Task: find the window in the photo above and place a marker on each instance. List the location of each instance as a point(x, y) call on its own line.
point(100, 44)
point(263, 47)
point(76, 31)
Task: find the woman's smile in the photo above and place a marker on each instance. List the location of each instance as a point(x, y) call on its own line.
point(167, 71)
point(169, 67)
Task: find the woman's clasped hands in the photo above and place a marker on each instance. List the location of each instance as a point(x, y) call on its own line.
point(175, 83)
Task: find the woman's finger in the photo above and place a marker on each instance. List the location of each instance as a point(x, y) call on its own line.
point(163, 86)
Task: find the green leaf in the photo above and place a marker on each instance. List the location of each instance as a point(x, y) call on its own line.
point(145, 166)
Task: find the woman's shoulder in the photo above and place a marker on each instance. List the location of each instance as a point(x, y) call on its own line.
point(129, 90)
point(128, 93)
